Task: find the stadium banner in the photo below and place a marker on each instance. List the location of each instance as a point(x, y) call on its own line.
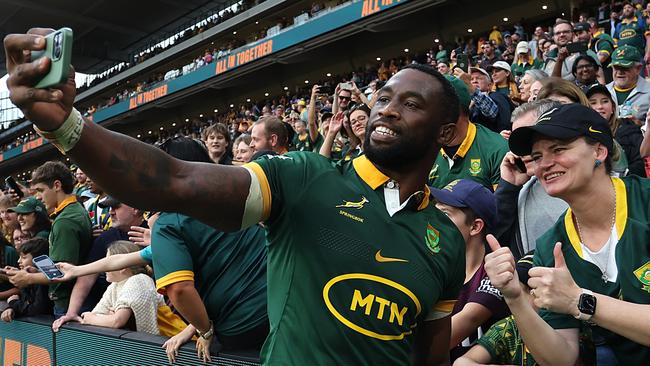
point(31, 342)
point(325, 22)
point(26, 343)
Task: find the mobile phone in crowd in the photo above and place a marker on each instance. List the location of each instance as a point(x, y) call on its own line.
point(577, 47)
point(325, 90)
point(45, 265)
point(58, 47)
point(462, 62)
point(345, 86)
point(11, 183)
point(520, 165)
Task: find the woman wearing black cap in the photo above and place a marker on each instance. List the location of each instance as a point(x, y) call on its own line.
point(626, 132)
point(599, 270)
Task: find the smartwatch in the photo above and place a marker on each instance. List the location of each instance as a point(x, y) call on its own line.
point(586, 305)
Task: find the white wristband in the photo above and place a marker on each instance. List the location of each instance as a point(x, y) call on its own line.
point(67, 135)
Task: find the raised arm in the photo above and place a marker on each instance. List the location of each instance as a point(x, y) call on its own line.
point(106, 264)
point(311, 114)
point(132, 171)
point(336, 123)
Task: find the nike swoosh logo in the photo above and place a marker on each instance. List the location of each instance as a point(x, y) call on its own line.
point(592, 130)
point(380, 258)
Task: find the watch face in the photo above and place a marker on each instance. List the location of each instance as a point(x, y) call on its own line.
point(587, 304)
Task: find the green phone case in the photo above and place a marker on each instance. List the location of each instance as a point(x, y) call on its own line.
point(59, 49)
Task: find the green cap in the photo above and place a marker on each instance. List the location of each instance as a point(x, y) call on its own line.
point(461, 90)
point(28, 205)
point(626, 56)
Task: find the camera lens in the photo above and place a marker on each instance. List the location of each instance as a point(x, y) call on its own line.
point(57, 46)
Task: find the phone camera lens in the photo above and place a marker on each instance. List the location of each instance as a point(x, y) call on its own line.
point(57, 46)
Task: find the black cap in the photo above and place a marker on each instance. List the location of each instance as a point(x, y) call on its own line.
point(565, 123)
point(579, 27)
point(108, 202)
point(598, 89)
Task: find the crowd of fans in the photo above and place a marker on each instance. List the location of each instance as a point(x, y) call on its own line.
point(204, 24)
point(208, 56)
point(541, 141)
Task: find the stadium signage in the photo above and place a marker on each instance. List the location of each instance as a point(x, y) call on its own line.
point(247, 55)
point(326, 21)
point(374, 6)
point(13, 352)
point(148, 96)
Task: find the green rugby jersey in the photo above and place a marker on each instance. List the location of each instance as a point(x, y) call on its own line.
point(631, 32)
point(228, 269)
point(305, 144)
point(632, 259)
point(348, 284)
point(478, 158)
point(504, 344)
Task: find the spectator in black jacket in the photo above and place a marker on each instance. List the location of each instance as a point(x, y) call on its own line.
point(627, 133)
point(34, 299)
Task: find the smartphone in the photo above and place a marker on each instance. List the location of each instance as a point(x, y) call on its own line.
point(462, 61)
point(10, 182)
point(58, 48)
point(577, 47)
point(345, 86)
point(45, 265)
point(325, 90)
point(519, 164)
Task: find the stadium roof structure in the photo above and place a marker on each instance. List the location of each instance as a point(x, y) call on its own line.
point(105, 32)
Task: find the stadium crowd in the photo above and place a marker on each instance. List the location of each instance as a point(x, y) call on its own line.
point(485, 206)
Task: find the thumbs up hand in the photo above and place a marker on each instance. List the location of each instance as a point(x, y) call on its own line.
point(554, 288)
point(501, 268)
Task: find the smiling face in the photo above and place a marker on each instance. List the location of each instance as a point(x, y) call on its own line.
point(564, 167)
point(9, 218)
point(216, 144)
point(244, 152)
point(19, 238)
point(25, 260)
point(626, 77)
point(406, 119)
point(586, 72)
point(27, 221)
point(358, 122)
point(535, 87)
point(562, 34)
point(602, 104)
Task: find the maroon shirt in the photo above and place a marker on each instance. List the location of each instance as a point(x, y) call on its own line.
point(479, 290)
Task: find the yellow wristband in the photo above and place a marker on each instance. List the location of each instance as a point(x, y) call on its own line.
point(67, 135)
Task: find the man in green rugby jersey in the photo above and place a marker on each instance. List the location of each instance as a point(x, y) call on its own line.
point(362, 269)
point(469, 150)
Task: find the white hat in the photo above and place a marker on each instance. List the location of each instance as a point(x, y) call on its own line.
point(522, 47)
point(500, 65)
point(482, 71)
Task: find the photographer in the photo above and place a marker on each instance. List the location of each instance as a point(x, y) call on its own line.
point(560, 60)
